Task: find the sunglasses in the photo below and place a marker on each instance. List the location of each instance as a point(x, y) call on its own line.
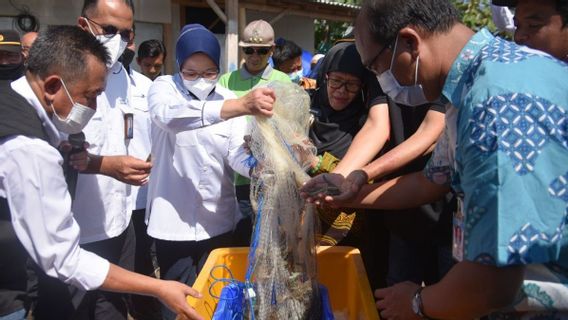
point(110, 31)
point(350, 86)
point(259, 51)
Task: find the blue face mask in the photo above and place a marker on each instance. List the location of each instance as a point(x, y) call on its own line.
point(406, 95)
point(296, 76)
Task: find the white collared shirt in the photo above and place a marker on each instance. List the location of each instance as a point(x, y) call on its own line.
point(31, 179)
point(191, 194)
point(139, 146)
point(102, 204)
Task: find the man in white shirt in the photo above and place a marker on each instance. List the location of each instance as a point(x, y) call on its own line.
point(140, 307)
point(102, 205)
point(58, 94)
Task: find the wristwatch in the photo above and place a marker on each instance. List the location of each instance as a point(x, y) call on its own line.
point(417, 306)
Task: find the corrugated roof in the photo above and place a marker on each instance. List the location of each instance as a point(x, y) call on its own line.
point(339, 4)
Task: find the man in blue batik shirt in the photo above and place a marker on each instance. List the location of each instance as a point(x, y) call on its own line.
point(504, 153)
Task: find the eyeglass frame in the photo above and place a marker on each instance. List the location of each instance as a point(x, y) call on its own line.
point(343, 83)
point(110, 34)
point(200, 74)
point(256, 50)
point(369, 66)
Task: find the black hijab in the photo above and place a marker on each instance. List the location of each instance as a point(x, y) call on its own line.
point(333, 131)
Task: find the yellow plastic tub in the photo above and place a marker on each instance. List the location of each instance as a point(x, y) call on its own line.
point(340, 269)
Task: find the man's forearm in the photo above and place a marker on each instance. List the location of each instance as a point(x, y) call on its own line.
point(408, 191)
point(471, 290)
point(417, 145)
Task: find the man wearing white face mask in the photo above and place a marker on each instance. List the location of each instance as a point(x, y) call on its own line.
point(36, 220)
point(102, 206)
point(192, 207)
point(406, 95)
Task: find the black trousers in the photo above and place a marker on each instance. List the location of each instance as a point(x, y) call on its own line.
point(57, 300)
point(182, 260)
point(143, 307)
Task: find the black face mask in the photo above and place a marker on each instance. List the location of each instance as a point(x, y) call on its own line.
point(126, 58)
point(11, 71)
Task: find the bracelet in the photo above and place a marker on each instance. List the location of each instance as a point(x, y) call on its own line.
point(315, 169)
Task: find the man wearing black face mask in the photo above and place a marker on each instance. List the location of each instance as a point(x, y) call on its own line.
point(11, 59)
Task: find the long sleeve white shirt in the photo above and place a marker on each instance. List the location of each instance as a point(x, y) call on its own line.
point(31, 179)
point(191, 194)
point(102, 204)
point(139, 146)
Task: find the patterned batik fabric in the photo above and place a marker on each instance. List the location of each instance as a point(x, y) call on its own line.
point(510, 138)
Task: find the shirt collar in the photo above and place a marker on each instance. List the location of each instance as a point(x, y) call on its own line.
point(468, 55)
point(245, 75)
point(23, 88)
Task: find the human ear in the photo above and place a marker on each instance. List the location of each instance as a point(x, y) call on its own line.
point(51, 85)
point(410, 40)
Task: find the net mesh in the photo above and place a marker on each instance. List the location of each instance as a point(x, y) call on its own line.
point(282, 263)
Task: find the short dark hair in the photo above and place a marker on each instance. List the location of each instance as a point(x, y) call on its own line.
point(284, 51)
point(90, 5)
point(387, 17)
point(562, 8)
point(63, 50)
point(151, 48)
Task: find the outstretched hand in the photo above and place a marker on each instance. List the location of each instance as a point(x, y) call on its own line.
point(333, 189)
point(173, 294)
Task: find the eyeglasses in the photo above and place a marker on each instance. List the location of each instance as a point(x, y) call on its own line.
point(350, 86)
point(259, 51)
point(194, 75)
point(370, 65)
point(110, 31)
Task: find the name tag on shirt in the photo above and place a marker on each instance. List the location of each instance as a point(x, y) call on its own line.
point(128, 126)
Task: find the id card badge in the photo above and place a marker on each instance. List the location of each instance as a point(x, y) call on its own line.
point(458, 231)
point(128, 126)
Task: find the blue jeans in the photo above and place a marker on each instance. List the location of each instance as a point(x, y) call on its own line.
point(18, 315)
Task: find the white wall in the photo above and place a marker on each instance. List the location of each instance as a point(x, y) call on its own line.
point(50, 12)
point(295, 28)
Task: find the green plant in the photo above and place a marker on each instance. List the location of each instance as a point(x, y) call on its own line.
point(475, 14)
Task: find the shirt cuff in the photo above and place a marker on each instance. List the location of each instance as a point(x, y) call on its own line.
point(92, 271)
point(211, 112)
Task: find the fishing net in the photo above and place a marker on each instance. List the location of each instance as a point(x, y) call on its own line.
point(281, 279)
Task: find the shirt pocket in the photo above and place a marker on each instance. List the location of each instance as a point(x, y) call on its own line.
point(95, 133)
point(187, 138)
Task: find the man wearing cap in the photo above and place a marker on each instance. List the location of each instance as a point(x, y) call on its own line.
point(541, 25)
point(257, 44)
point(11, 60)
point(191, 199)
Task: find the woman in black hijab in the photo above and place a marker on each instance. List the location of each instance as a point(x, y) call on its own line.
point(347, 101)
point(350, 113)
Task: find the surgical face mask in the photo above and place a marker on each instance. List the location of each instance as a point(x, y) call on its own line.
point(126, 58)
point(11, 71)
point(114, 45)
point(406, 95)
point(77, 118)
point(200, 87)
point(296, 76)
